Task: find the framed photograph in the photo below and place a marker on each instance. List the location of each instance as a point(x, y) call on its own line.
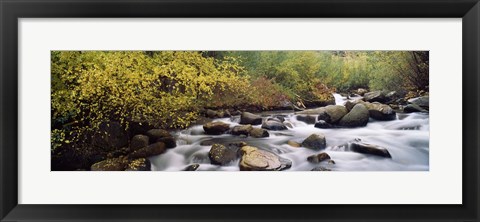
point(227, 110)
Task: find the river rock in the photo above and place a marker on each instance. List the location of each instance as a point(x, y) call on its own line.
point(331, 162)
point(380, 111)
point(315, 111)
point(242, 130)
point(293, 143)
point(151, 150)
point(366, 148)
point(114, 164)
point(273, 125)
point(138, 141)
point(317, 158)
point(375, 96)
point(216, 128)
point(332, 113)
point(259, 133)
point(141, 164)
point(169, 142)
point(320, 168)
point(155, 134)
point(322, 124)
point(308, 119)
point(110, 136)
point(211, 113)
point(358, 116)
point(421, 101)
point(411, 108)
point(221, 155)
point(350, 104)
point(250, 118)
point(315, 141)
point(254, 159)
point(361, 91)
point(192, 167)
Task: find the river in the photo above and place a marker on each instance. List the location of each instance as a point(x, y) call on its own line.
point(406, 138)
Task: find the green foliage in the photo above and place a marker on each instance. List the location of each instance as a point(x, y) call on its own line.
point(163, 88)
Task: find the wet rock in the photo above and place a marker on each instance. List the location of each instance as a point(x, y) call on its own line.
point(110, 136)
point(115, 164)
point(236, 113)
point(320, 168)
point(315, 141)
point(227, 113)
point(380, 111)
point(350, 104)
point(192, 167)
point(151, 150)
point(141, 164)
point(155, 134)
point(250, 118)
point(420, 101)
point(317, 158)
point(254, 159)
point(308, 119)
point(358, 116)
point(242, 130)
point(138, 141)
point(220, 114)
point(322, 124)
point(288, 124)
point(315, 111)
point(259, 133)
point(216, 128)
point(332, 113)
point(411, 108)
point(293, 143)
point(366, 148)
point(169, 142)
point(331, 162)
point(391, 96)
point(211, 113)
point(361, 91)
point(375, 96)
point(273, 125)
point(221, 155)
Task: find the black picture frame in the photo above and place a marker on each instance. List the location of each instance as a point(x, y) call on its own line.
point(11, 11)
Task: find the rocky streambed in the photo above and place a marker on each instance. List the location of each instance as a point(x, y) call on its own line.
point(354, 135)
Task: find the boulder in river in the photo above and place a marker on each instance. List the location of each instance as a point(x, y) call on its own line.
point(250, 118)
point(155, 134)
point(375, 96)
point(242, 130)
point(254, 159)
point(259, 133)
point(320, 168)
point(380, 111)
point(293, 143)
point(315, 141)
point(113, 164)
point(273, 125)
point(151, 150)
point(350, 104)
point(317, 158)
point(315, 111)
point(308, 119)
point(358, 116)
point(361, 91)
point(422, 101)
point(411, 108)
point(161, 135)
point(192, 167)
point(211, 113)
point(216, 128)
point(322, 124)
point(366, 148)
point(138, 141)
point(333, 113)
point(141, 164)
point(221, 155)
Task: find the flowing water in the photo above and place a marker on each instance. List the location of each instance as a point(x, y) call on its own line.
point(406, 138)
